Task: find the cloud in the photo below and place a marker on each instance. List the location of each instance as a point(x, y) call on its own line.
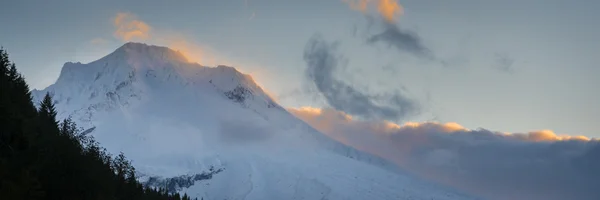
point(191, 51)
point(504, 62)
point(322, 62)
point(128, 27)
point(402, 40)
point(388, 9)
point(387, 31)
point(492, 165)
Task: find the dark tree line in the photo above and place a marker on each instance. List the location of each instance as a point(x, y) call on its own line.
point(41, 158)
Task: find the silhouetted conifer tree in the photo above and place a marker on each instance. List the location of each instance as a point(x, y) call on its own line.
point(43, 159)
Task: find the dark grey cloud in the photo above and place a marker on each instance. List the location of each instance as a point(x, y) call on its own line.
point(322, 62)
point(499, 167)
point(379, 31)
point(402, 40)
point(492, 165)
point(503, 62)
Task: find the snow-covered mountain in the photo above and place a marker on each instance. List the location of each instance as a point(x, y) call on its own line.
point(213, 133)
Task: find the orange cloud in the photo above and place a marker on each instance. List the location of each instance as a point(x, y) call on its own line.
point(191, 52)
point(312, 114)
point(548, 135)
point(480, 162)
point(388, 9)
point(324, 119)
point(206, 56)
point(128, 27)
point(267, 92)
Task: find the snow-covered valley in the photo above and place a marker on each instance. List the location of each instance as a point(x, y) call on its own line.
point(218, 131)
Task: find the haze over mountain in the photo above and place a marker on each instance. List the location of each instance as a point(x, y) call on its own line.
point(213, 133)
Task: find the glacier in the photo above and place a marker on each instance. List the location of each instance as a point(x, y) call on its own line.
point(180, 122)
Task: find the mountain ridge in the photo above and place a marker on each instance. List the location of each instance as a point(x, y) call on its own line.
point(136, 67)
point(174, 117)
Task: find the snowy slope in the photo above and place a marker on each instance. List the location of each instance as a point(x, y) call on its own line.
point(212, 132)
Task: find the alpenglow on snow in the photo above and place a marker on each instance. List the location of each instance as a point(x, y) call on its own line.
point(213, 133)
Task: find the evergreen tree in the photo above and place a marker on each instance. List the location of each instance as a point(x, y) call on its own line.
point(42, 159)
point(17, 114)
point(47, 111)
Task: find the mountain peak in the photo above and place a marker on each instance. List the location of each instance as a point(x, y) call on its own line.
point(121, 61)
point(140, 47)
point(138, 71)
point(131, 44)
point(134, 50)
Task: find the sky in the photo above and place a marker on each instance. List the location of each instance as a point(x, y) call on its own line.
point(495, 98)
point(511, 66)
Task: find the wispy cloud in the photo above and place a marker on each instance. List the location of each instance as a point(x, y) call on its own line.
point(504, 62)
point(387, 31)
point(493, 165)
point(322, 62)
point(402, 40)
point(191, 51)
point(128, 27)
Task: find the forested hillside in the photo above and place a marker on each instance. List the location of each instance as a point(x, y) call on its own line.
point(41, 158)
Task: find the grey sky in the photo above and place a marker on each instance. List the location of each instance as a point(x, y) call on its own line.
point(552, 44)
